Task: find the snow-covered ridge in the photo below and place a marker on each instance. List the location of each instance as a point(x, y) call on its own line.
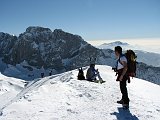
point(9, 88)
point(149, 58)
point(63, 97)
point(8, 84)
point(116, 43)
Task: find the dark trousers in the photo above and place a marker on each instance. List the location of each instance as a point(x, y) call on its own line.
point(123, 88)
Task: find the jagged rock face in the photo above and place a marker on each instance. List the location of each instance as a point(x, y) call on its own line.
point(42, 47)
point(6, 43)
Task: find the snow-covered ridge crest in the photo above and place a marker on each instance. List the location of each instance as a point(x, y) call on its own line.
point(63, 97)
point(116, 43)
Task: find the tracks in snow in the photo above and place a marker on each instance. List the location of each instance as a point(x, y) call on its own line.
point(32, 85)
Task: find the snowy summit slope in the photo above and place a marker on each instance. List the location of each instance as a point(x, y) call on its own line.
point(9, 88)
point(63, 97)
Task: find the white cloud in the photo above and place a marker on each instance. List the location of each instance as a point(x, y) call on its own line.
point(146, 44)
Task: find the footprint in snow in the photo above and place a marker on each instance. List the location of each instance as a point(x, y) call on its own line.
point(71, 111)
point(68, 103)
point(80, 95)
point(87, 95)
point(1, 113)
point(52, 82)
point(158, 110)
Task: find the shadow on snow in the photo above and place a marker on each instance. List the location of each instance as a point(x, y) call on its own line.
point(124, 115)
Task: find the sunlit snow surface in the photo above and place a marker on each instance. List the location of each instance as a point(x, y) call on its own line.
point(63, 97)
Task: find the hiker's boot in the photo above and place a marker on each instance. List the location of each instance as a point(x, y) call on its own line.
point(125, 106)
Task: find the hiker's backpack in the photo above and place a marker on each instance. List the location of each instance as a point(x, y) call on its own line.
point(81, 74)
point(131, 62)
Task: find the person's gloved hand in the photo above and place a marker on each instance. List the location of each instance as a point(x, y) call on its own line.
point(121, 78)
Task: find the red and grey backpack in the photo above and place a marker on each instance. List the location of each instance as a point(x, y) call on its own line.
point(131, 62)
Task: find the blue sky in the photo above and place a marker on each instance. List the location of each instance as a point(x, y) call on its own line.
point(92, 19)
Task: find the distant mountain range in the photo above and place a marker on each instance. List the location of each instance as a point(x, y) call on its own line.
point(39, 50)
point(149, 58)
point(112, 45)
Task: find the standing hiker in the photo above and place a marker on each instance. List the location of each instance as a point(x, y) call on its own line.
point(122, 76)
point(42, 75)
point(50, 73)
point(42, 72)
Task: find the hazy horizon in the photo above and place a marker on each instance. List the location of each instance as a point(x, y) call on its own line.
point(131, 40)
point(145, 44)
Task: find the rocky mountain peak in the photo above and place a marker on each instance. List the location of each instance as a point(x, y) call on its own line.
point(34, 29)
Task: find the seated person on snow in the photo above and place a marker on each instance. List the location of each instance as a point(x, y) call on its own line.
point(92, 73)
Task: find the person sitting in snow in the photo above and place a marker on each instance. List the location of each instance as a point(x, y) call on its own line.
point(92, 73)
